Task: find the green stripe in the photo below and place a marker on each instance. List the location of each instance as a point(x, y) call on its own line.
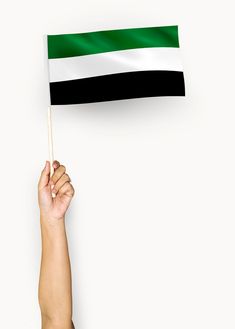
point(69, 45)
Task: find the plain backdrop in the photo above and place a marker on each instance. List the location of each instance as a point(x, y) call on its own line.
point(151, 228)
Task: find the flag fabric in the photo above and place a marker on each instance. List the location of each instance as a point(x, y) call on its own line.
point(115, 64)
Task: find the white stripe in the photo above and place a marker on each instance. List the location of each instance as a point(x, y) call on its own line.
point(141, 59)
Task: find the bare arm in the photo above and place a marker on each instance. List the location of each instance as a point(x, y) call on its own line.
point(55, 288)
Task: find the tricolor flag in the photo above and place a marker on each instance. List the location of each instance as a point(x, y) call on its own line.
point(115, 64)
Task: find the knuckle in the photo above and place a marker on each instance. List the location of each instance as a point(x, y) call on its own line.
point(62, 168)
point(66, 177)
point(70, 192)
point(71, 188)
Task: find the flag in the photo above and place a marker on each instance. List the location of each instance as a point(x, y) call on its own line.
point(115, 64)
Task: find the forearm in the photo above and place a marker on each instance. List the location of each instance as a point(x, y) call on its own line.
point(55, 291)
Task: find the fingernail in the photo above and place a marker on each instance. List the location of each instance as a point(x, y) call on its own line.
point(55, 164)
point(53, 195)
point(52, 186)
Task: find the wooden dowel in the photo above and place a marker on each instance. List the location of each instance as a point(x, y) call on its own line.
point(50, 140)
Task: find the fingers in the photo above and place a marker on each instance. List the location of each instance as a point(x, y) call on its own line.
point(67, 189)
point(63, 179)
point(59, 172)
point(45, 176)
point(60, 181)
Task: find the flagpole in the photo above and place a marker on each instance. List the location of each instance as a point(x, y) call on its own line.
point(50, 140)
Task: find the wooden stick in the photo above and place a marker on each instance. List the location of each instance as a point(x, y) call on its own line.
point(50, 140)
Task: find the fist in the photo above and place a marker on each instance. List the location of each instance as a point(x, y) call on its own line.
point(54, 193)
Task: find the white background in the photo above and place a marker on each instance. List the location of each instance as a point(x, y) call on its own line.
point(151, 228)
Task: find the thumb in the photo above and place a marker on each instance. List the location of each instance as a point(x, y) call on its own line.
point(45, 176)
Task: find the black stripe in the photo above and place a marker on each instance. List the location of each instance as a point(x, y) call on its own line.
point(118, 86)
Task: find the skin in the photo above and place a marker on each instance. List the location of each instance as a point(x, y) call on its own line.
point(55, 285)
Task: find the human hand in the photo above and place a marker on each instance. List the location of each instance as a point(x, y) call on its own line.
point(55, 193)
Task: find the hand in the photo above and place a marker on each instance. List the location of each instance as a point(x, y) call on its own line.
point(55, 193)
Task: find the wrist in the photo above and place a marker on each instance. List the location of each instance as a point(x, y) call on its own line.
point(52, 230)
point(50, 221)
